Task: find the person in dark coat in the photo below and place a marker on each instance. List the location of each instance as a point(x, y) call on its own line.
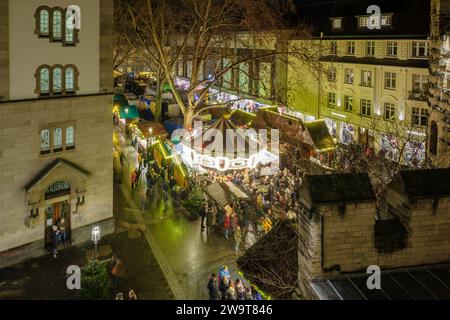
point(203, 212)
point(213, 289)
point(54, 237)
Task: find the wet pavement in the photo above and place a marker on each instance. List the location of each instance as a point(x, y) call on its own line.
point(186, 255)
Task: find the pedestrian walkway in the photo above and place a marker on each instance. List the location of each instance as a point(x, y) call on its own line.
point(186, 255)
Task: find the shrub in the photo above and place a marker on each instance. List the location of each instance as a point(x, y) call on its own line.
point(194, 203)
point(95, 281)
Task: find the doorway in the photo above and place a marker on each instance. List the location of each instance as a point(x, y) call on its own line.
point(53, 214)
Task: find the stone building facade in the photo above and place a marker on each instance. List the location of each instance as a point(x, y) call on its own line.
point(340, 236)
point(439, 125)
point(55, 129)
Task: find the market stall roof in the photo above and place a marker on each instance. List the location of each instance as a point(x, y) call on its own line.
point(158, 130)
point(242, 118)
point(336, 188)
point(228, 133)
point(218, 194)
point(128, 111)
point(320, 135)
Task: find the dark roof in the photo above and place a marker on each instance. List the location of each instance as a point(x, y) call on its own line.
point(340, 188)
point(411, 63)
point(50, 167)
point(422, 283)
point(318, 14)
point(429, 183)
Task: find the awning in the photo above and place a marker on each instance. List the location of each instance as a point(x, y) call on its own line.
point(320, 135)
point(128, 112)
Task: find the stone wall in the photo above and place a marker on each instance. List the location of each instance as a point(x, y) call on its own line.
point(21, 161)
point(348, 240)
point(4, 50)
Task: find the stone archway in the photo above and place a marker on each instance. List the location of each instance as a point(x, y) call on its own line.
point(60, 181)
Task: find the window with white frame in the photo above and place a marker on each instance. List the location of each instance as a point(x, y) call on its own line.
point(366, 78)
point(390, 80)
point(333, 47)
point(44, 81)
point(57, 80)
point(363, 22)
point(50, 23)
point(351, 48)
point(57, 139)
point(45, 141)
point(336, 23)
point(420, 84)
point(348, 76)
point(370, 48)
point(392, 48)
point(419, 117)
point(70, 141)
point(366, 107)
point(348, 103)
point(419, 49)
point(389, 111)
point(386, 20)
point(332, 74)
point(331, 100)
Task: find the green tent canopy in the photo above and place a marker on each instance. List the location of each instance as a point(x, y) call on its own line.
point(166, 87)
point(128, 112)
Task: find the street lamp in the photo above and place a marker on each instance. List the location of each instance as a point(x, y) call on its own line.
point(96, 235)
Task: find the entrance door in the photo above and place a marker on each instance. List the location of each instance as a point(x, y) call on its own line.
point(53, 213)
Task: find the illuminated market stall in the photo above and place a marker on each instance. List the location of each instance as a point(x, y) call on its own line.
point(223, 146)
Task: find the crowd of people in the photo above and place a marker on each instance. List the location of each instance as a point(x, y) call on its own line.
point(223, 287)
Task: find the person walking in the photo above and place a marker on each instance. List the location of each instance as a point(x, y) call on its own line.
point(240, 290)
point(132, 295)
point(165, 189)
point(227, 224)
point(203, 212)
point(224, 285)
point(237, 239)
point(213, 289)
point(209, 221)
point(54, 237)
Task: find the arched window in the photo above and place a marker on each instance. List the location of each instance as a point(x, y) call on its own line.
point(45, 141)
point(70, 141)
point(44, 81)
point(43, 22)
point(57, 80)
point(69, 37)
point(69, 79)
point(433, 138)
point(57, 25)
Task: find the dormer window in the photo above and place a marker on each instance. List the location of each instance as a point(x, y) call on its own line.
point(363, 22)
point(336, 23)
point(386, 20)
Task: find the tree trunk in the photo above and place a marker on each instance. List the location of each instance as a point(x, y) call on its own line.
point(188, 118)
point(158, 101)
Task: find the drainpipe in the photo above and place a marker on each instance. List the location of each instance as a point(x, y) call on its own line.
point(319, 96)
point(321, 242)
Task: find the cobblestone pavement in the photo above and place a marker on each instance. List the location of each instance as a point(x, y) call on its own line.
point(186, 255)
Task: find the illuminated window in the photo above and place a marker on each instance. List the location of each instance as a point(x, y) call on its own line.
point(392, 48)
point(348, 103)
point(370, 48)
point(348, 76)
point(332, 74)
point(331, 101)
point(420, 49)
point(389, 111)
point(366, 78)
point(336, 23)
point(390, 80)
point(333, 47)
point(351, 48)
point(366, 107)
point(51, 24)
point(419, 117)
point(56, 80)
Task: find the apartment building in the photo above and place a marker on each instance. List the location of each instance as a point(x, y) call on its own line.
point(373, 87)
point(439, 124)
point(55, 129)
